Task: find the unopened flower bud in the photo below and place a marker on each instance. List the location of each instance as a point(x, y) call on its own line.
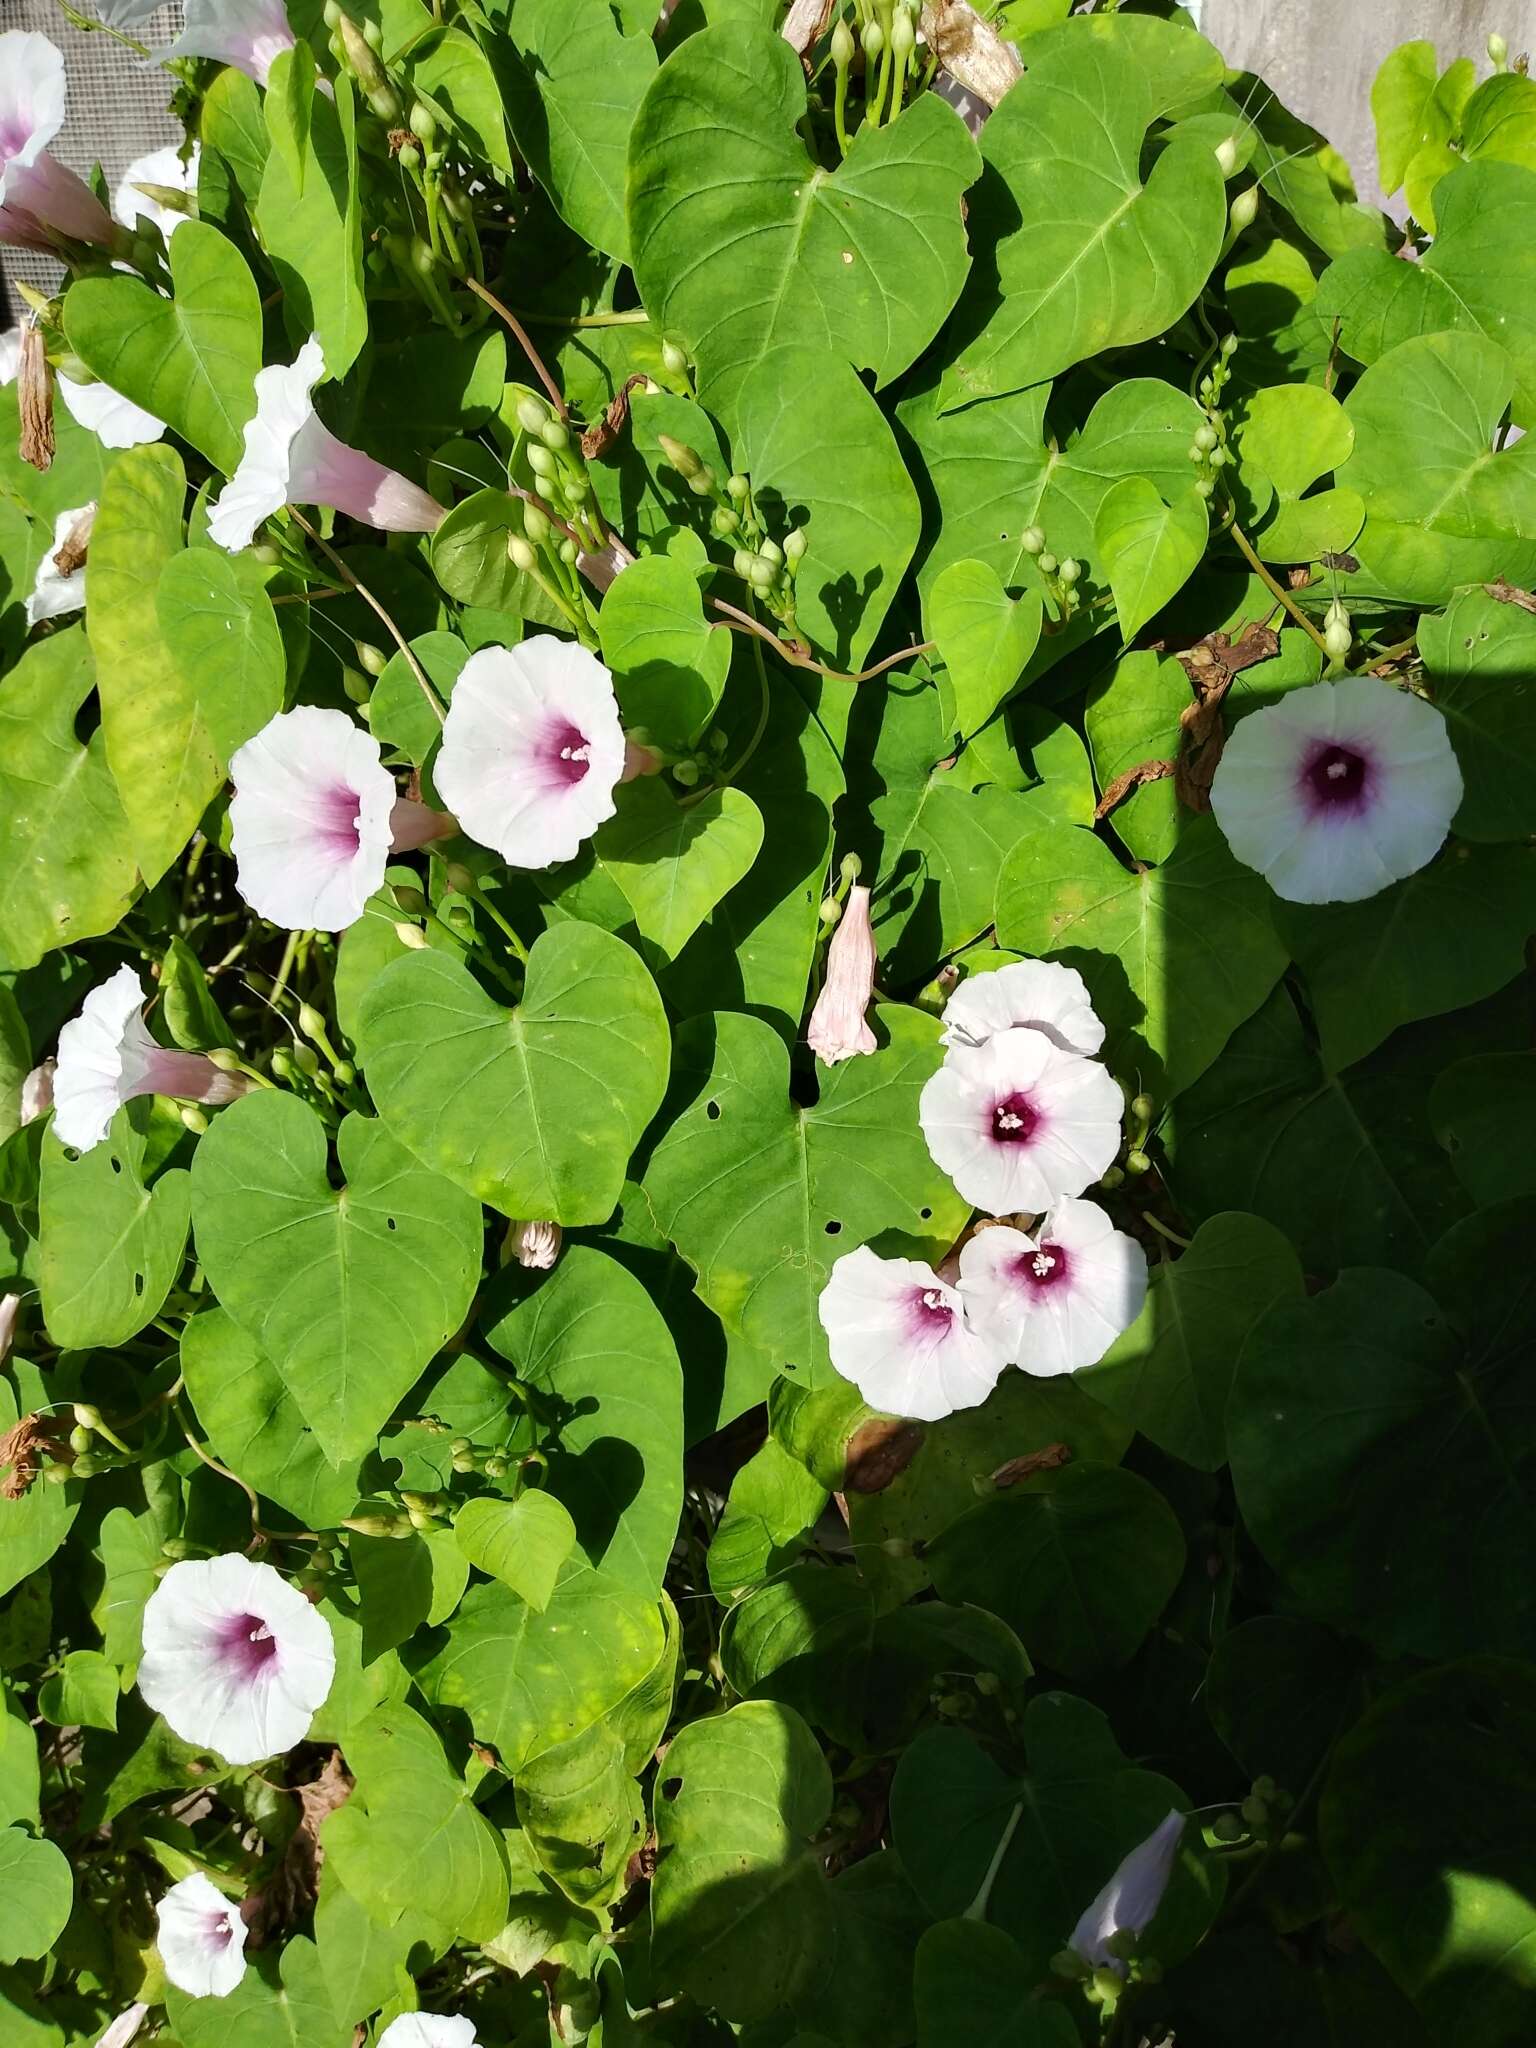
point(306, 1059)
point(1226, 155)
point(540, 461)
point(903, 36)
point(536, 525)
point(1229, 347)
point(1498, 51)
point(1048, 564)
point(1032, 540)
point(674, 360)
point(850, 869)
point(703, 483)
point(531, 414)
point(685, 460)
point(795, 544)
point(873, 39)
point(1137, 1162)
point(1070, 571)
point(535, 1245)
point(311, 1023)
point(842, 45)
point(225, 1058)
point(742, 562)
point(410, 900)
point(723, 522)
point(1142, 1108)
point(495, 1467)
point(356, 685)
point(686, 772)
point(555, 434)
point(409, 935)
point(1244, 210)
point(763, 574)
point(87, 1467)
point(737, 488)
point(372, 660)
point(569, 552)
point(1205, 487)
point(193, 1118)
point(422, 122)
point(80, 1440)
point(460, 878)
point(519, 553)
point(1206, 438)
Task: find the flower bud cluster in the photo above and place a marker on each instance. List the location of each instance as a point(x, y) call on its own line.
point(1210, 449)
point(768, 567)
point(1060, 577)
point(544, 549)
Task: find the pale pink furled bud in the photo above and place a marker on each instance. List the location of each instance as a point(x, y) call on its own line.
point(37, 1092)
point(601, 565)
point(536, 1244)
point(640, 760)
point(838, 1028)
point(40, 201)
point(292, 458)
point(124, 2028)
point(10, 1304)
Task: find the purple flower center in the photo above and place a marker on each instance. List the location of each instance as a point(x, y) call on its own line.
point(14, 136)
point(1335, 778)
point(247, 1644)
point(930, 1314)
point(1014, 1120)
point(1043, 1270)
point(337, 816)
point(565, 754)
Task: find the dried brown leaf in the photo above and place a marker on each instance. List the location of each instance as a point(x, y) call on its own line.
point(971, 50)
point(878, 1452)
point(34, 397)
point(599, 439)
point(1505, 592)
point(1047, 1460)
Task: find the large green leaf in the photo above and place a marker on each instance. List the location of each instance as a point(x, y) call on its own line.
point(530, 1678)
point(522, 1542)
point(454, 69)
point(349, 1292)
point(254, 1424)
point(1443, 1889)
point(535, 1110)
point(281, 2002)
point(985, 638)
point(1484, 1114)
point(761, 1196)
point(67, 867)
point(192, 359)
point(738, 1904)
point(33, 1527)
point(1446, 937)
point(1364, 1425)
point(573, 93)
point(1176, 957)
point(1079, 1561)
point(1444, 508)
point(1148, 550)
point(407, 1797)
point(669, 663)
point(742, 242)
point(675, 861)
point(1481, 657)
point(112, 1238)
point(219, 628)
point(821, 455)
point(313, 232)
point(593, 1344)
point(1476, 277)
point(1077, 253)
point(36, 1894)
point(1293, 435)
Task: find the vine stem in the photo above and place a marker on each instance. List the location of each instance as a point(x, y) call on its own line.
point(1247, 551)
point(394, 632)
point(525, 342)
point(743, 622)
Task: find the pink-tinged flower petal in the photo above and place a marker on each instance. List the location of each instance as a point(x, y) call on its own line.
point(1039, 993)
point(54, 596)
point(162, 167)
point(532, 750)
point(37, 1092)
point(292, 458)
point(536, 1245)
point(1017, 1123)
point(429, 2030)
point(1339, 790)
point(839, 1028)
point(1128, 1903)
point(235, 1659)
point(106, 1057)
point(1057, 1300)
point(201, 1938)
point(33, 95)
point(249, 34)
point(124, 2028)
point(115, 421)
point(902, 1336)
point(44, 201)
point(310, 819)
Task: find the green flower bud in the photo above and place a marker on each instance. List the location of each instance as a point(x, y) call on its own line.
point(1498, 51)
point(831, 910)
point(770, 551)
point(1111, 1178)
point(1229, 347)
point(1107, 1986)
point(463, 1461)
point(311, 1023)
point(410, 900)
point(282, 1059)
point(356, 685)
point(55, 1475)
point(175, 1548)
point(674, 360)
point(1337, 614)
point(1244, 210)
point(1219, 458)
point(422, 122)
point(1206, 438)
point(723, 522)
point(1032, 541)
point(555, 433)
point(193, 1118)
point(495, 1467)
point(1255, 1811)
point(306, 1059)
point(850, 870)
point(1070, 571)
point(569, 552)
point(1068, 1964)
point(1143, 1108)
point(385, 102)
point(225, 1058)
point(687, 773)
point(842, 45)
point(742, 562)
point(519, 553)
point(737, 488)
point(80, 1440)
point(1338, 639)
point(540, 460)
point(763, 574)
point(795, 544)
point(408, 156)
point(345, 1073)
point(87, 1467)
point(460, 1445)
point(1137, 1162)
point(420, 1519)
point(536, 526)
point(873, 39)
point(1228, 1828)
point(1226, 155)
point(372, 660)
point(1265, 1788)
point(410, 935)
point(685, 460)
point(702, 484)
point(459, 878)
point(531, 414)
point(1048, 564)
point(903, 37)
point(578, 489)
point(1205, 487)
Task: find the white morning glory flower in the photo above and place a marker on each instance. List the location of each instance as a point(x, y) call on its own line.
point(39, 199)
point(57, 592)
point(249, 34)
point(292, 458)
point(1017, 1123)
point(201, 1938)
point(1339, 790)
point(162, 167)
point(1039, 993)
point(839, 1028)
point(429, 2030)
point(106, 1057)
point(1128, 1903)
point(314, 818)
point(235, 1659)
point(902, 1336)
point(532, 749)
point(1058, 1299)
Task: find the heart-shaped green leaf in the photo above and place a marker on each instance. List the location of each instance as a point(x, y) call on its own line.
point(220, 630)
point(535, 1110)
point(522, 1542)
point(191, 360)
point(1481, 656)
point(1147, 549)
point(675, 861)
point(741, 241)
point(37, 1891)
point(985, 637)
point(312, 229)
point(669, 664)
point(1292, 434)
point(112, 1244)
point(67, 867)
point(1086, 255)
point(349, 1293)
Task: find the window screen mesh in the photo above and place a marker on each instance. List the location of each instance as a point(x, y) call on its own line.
point(116, 113)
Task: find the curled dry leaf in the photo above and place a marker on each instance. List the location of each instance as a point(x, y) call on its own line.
point(34, 396)
point(971, 50)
